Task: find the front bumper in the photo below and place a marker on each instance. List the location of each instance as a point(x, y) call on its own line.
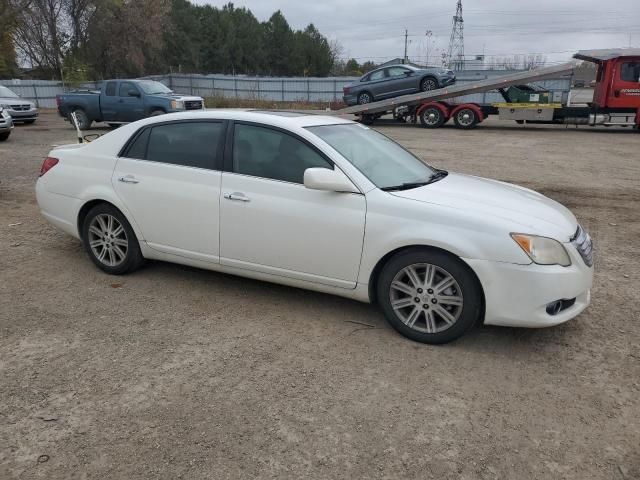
point(518, 295)
point(446, 81)
point(6, 123)
point(23, 115)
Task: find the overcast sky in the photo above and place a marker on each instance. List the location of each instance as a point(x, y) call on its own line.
point(374, 29)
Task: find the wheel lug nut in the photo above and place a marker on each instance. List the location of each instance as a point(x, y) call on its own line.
point(417, 300)
point(419, 290)
point(434, 301)
point(430, 291)
point(425, 306)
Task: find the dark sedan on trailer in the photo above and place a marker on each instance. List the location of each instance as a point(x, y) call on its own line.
point(396, 80)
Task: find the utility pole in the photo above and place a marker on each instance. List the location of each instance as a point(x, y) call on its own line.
point(456, 43)
point(406, 36)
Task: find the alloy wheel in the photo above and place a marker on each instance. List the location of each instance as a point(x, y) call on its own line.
point(108, 240)
point(426, 298)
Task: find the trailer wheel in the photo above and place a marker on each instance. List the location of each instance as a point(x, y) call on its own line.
point(367, 119)
point(432, 117)
point(465, 118)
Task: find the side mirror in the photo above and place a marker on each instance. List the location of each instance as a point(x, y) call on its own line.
point(408, 73)
point(134, 93)
point(328, 180)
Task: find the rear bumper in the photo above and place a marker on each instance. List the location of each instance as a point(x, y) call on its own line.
point(518, 295)
point(350, 99)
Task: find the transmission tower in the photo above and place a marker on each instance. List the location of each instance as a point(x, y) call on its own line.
point(456, 43)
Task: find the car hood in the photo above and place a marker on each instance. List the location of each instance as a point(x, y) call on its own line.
point(526, 210)
point(176, 96)
point(15, 101)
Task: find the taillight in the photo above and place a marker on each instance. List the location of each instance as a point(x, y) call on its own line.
point(57, 100)
point(48, 164)
point(345, 90)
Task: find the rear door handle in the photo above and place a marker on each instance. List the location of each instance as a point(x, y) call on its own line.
point(237, 196)
point(128, 179)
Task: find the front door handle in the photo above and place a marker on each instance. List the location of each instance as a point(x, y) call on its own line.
point(128, 179)
point(238, 196)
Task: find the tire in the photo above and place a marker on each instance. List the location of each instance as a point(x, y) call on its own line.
point(428, 83)
point(83, 121)
point(415, 309)
point(121, 251)
point(465, 118)
point(432, 117)
point(4, 136)
point(364, 98)
point(367, 119)
point(155, 113)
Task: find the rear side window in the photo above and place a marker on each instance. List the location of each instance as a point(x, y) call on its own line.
point(630, 72)
point(110, 91)
point(379, 75)
point(189, 144)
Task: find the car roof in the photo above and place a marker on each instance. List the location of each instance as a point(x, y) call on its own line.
point(278, 118)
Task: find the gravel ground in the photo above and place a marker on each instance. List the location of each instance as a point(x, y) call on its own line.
point(174, 372)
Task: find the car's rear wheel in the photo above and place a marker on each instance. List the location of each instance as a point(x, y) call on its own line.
point(83, 120)
point(429, 296)
point(364, 98)
point(428, 83)
point(110, 241)
point(465, 118)
point(4, 136)
point(432, 117)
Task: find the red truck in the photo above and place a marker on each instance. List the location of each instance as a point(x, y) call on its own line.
point(616, 99)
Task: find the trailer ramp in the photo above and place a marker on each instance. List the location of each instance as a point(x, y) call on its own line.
point(460, 90)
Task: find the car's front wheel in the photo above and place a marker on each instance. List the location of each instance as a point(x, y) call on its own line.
point(110, 241)
point(429, 296)
point(428, 84)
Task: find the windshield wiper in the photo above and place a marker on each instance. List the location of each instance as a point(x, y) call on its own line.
point(437, 175)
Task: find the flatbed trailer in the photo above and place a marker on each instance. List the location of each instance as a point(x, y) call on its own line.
point(616, 98)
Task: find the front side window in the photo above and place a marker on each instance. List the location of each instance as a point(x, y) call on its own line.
point(268, 153)
point(126, 87)
point(189, 144)
point(630, 72)
point(380, 159)
point(397, 71)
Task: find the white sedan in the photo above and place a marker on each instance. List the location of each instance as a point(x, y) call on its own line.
point(325, 204)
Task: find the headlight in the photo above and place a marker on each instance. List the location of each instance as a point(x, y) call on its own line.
point(542, 250)
point(177, 104)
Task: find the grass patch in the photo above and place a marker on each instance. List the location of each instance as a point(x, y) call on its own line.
point(230, 102)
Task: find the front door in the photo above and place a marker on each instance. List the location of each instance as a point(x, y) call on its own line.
point(271, 223)
point(401, 81)
point(626, 84)
point(169, 180)
point(130, 103)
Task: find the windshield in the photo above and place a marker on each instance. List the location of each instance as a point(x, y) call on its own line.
point(379, 158)
point(151, 87)
point(5, 92)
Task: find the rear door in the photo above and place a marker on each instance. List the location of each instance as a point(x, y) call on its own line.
point(109, 101)
point(169, 180)
point(377, 85)
point(130, 102)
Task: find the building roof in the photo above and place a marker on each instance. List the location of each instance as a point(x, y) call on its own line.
point(606, 54)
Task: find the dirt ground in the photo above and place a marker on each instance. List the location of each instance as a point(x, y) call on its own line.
point(174, 372)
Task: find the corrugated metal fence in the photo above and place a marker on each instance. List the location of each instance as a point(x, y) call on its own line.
point(303, 89)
